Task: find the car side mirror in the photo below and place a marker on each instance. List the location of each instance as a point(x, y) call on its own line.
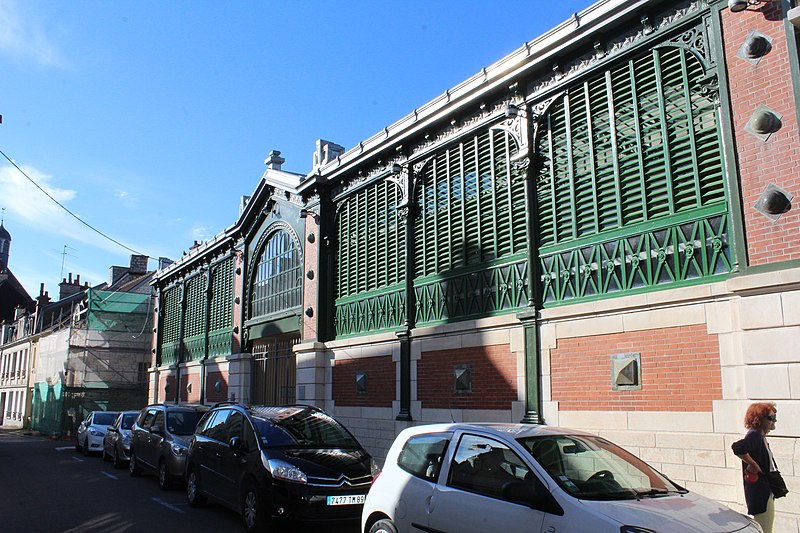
point(111, 428)
point(532, 494)
point(156, 429)
point(236, 445)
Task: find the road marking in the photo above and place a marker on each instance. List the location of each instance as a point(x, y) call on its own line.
point(78, 459)
point(112, 476)
point(168, 505)
point(63, 448)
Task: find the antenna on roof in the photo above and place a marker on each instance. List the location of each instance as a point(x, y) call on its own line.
point(63, 257)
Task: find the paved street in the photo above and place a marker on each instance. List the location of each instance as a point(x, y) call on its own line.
point(47, 487)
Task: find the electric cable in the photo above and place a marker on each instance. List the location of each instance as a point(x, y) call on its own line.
point(76, 217)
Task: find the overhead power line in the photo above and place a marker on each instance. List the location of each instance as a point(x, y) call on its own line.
point(76, 217)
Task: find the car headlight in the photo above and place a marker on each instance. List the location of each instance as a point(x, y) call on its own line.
point(374, 468)
point(635, 529)
point(178, 450)
point(283, 470)
point(126, 440)
point(96, 433)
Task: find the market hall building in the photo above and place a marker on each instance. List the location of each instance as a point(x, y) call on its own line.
point(596, 232)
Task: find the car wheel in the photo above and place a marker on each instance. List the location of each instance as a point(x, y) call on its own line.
point(255, 515)
point(383, 526)
point(116, 458)
point(193, 494)
point(164, 481)
point(133, 466)
point(78, 446)
point(86, 448)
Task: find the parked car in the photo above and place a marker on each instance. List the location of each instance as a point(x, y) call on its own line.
point(474, 478)
point(271, 464)
point(117, 441)
point(159, 440)
point(91, 431)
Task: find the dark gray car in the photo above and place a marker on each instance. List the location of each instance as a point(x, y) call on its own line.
point(117, 441)
point(159, 441)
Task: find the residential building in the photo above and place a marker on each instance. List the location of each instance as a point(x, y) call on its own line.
point(92, 349)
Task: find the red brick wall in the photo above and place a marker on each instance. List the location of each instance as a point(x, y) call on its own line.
point(494, 378)
point(680, 371)
point(381, 378)
point(310, 286)
point(211, 394)
point(778, 160)
point(164, 382)
point(238, 309)
point(193, 377)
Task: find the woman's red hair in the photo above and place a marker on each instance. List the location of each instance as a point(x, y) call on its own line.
point(756, 413)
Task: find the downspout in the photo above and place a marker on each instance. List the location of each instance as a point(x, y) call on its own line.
point(530, 316)
point(179, 359)
point(406, 211)
point(209, 294)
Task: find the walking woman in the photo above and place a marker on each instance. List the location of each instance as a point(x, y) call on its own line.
point(757, 461)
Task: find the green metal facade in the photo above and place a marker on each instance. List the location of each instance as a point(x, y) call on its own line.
point(625, 191)
point(197, 314)
point(630, 186)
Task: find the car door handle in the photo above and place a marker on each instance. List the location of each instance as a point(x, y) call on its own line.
point(430, 503)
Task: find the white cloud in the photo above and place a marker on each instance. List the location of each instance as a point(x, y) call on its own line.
point(126, 197)
point(201, 234)
point(40, 213)
point(23, 35)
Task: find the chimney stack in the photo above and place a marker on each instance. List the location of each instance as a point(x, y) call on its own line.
point(274, 160)
point(68, 287)
point(138, 264)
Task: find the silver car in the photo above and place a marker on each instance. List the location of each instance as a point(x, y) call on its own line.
point(117, 442)
point(89, 438)
point(160, 440)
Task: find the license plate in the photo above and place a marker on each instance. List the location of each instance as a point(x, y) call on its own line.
point(346, 500)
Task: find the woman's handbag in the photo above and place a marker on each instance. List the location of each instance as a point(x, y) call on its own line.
point(777, 484)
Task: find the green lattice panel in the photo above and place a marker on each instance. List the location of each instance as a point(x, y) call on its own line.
point(465, 295)
point(219, 342)
point(169, 352)
point(194, 347)
point(370, 314)
point(676, 255)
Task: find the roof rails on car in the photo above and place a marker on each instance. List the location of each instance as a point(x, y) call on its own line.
point(309, 406)
point(218, 404)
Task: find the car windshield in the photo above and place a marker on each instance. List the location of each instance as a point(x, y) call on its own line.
point(304, 427)
point(128, 420)
point(593, 468)
point(104, 419)
point(182, 422)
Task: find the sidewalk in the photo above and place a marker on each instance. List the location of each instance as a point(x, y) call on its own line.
point(21, 432)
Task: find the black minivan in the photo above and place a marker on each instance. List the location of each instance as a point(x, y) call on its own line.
point(278, 463)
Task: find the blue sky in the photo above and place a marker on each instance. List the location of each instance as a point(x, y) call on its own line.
point(150, 119)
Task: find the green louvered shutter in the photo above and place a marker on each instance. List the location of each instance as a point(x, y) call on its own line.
point(470, 231)
point(220, 323)
point(170, 327)
point(635, 147)
point(370, 260)
point(194, 322)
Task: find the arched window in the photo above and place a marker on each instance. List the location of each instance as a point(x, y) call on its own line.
point(277, 283)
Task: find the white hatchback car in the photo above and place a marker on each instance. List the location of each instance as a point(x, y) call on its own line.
point(504, 478)
point(89, 437)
